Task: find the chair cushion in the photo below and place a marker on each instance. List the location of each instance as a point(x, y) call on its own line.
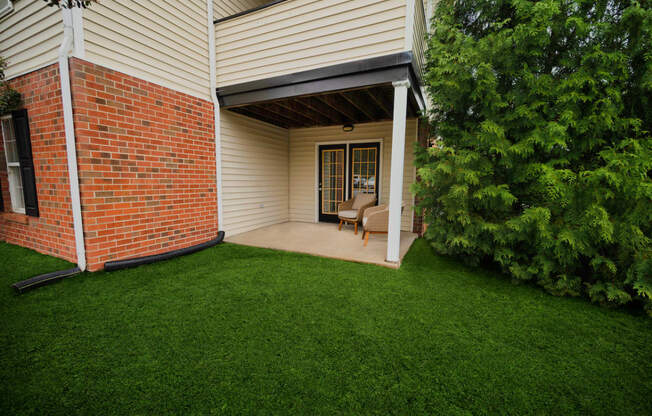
point(362, 200)
point(348, 213)
point(364, 221)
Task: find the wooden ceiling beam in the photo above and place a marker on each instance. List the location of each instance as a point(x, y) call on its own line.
point(315, 117)
point(379, 98)
point(298, 119)
point(333, 103)
point(317, 106)
point(267, 118)
point(363, 106)
point(289, 122)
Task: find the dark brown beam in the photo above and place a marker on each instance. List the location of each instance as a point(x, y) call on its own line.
point(321, 108)
point(413, 106)
point(378, 97)
point(320, 86)
point(333, 103)
point(245, 111)
point(354, 99)
point(317, 118)
point(266, 112)
point(337, 70)
point(299, 119)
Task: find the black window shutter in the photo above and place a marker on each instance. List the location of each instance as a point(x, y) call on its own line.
point(2, 205)
point(24, 145)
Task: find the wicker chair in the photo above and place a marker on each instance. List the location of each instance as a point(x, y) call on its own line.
point(375, 220)
point(350, 211)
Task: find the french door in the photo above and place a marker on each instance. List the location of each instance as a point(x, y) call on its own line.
point(364, 159)
point(345, 174)
point(332, 180)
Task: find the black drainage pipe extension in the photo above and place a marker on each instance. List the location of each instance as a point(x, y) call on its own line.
point(110, 266)
point(44, 279)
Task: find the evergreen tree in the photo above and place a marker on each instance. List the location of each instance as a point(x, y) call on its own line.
point(542, 162)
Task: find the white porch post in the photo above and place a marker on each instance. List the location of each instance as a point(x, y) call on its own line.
point(396, 178)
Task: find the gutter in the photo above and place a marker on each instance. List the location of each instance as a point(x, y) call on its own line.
point(212, 65)
point(69, 126)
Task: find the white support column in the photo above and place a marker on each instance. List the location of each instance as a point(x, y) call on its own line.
point(396, 169)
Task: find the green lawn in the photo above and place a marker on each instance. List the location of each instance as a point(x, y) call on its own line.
point(234, 329)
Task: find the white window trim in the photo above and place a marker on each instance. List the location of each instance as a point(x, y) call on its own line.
point(5, 9)
point(12, 189)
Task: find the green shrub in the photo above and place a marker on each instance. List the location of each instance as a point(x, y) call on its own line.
point(10, 99)
point(543, 157)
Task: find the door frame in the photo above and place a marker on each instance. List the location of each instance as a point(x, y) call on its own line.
point(349, 160)
point(320, 193)
point(347, 173)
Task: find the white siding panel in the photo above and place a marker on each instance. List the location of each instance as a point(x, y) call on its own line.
point(30, 36)
point(161, 41)
point(303, 161)
point(299, 35)
point(254, 173)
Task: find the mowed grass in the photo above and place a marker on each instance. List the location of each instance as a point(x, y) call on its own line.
point(234, 329)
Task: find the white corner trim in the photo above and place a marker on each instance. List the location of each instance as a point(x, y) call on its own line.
point(78, 33)
point(212, 73)
point(409, 24)
point(69, 128)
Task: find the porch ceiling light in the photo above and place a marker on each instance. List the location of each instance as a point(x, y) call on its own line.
point(347, 127)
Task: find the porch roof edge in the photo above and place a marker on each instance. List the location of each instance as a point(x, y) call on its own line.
point(370, 71)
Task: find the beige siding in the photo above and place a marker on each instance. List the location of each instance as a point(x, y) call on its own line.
point(303, 161)
point(30, 36)
point(254, 173)
point(298, 35)
point(161, 41)
point(224, 8)
point(419, 35)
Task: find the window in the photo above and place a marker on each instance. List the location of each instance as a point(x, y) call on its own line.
point(13, 166)
point(5, 7)
point(20, 166)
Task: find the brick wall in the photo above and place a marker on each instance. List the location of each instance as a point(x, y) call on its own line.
point(52, 232)
point(146, 165)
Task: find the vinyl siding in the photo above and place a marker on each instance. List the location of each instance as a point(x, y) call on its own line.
point(224, 8)
point(298, 35)
point(254, 173)
point(302, 165)
point(30, 36)
point(419, 36)
point(161, 41)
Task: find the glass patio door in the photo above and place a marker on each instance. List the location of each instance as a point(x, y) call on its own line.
point(332, 180)
point(364, 159)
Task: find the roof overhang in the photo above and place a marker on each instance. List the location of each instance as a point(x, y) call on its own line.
point(364, 73)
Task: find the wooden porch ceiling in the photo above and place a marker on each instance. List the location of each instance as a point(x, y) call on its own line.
point(352, 106)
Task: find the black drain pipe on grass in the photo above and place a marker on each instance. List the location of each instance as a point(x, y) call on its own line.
point(45, 279)
point(124, 264)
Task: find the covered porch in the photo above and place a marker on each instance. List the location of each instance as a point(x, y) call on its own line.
point(295, 146)
point(324, 240)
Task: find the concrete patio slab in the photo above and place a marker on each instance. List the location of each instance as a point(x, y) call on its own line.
point(323, 239)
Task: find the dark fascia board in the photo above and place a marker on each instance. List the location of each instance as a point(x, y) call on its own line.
point(415, 83)
point(333, 84)
point(364, 65)
point(255, 9)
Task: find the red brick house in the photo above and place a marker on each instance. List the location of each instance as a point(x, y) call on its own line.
point(148, 126)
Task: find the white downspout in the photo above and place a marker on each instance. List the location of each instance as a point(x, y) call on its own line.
point(216, 108)
point(66, 99)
